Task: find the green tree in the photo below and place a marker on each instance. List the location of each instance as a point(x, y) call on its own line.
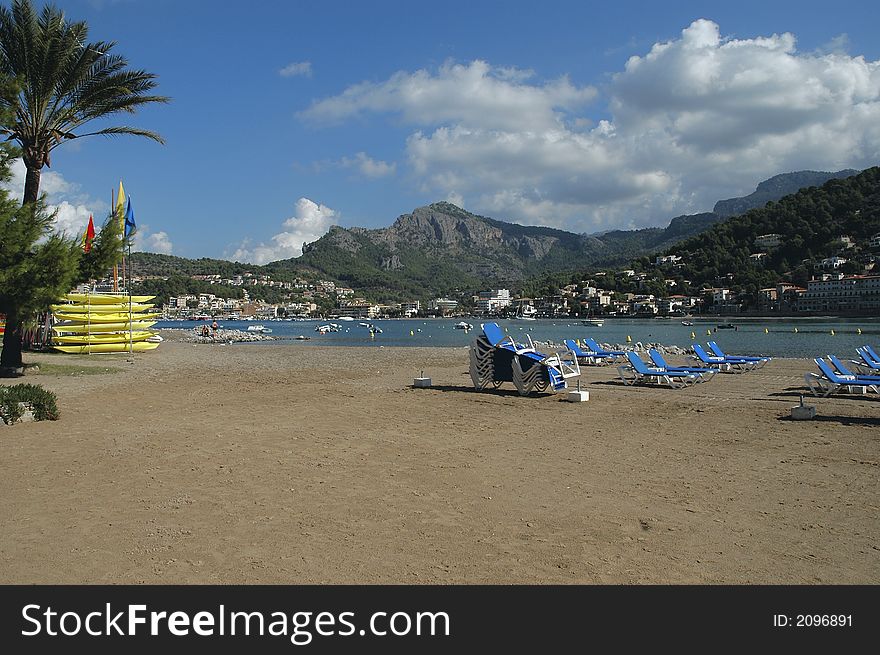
point(38, 265)
point(65, 83)
point(56, 84)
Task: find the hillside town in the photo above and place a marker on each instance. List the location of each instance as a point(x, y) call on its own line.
point(831, 292)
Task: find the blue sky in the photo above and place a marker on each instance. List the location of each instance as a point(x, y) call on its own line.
point(287, 117)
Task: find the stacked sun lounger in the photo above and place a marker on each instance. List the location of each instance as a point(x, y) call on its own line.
point(834, 376)
point(496, 358)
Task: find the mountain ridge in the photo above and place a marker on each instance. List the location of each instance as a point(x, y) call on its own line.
point(440, 249)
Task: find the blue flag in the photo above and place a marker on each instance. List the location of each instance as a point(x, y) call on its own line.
point(130, 225)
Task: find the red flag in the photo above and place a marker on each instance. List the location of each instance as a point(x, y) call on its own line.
point(89, 235)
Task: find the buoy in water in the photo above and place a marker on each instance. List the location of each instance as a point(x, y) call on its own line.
point(795, 330)
point(766, 331)
point(628, 339)
point(693, 336)
point(858, 330)
point(832, 333)
point(411, 333)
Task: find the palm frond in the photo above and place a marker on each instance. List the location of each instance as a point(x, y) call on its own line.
point(65, 81)
point(122, 129)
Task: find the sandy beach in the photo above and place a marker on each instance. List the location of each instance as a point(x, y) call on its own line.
point(293, 464)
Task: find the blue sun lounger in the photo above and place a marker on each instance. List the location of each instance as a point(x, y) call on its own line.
point(705, 374)
point(638, 372)
point(601, 352)
point(727, 364)
point(496, 358)
point(843, 371)
point(587, 356)
point(830, 381)
point(870, 363)
point(759, 361)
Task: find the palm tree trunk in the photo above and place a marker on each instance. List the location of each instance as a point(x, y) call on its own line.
point(31, 183)
point(10, 357)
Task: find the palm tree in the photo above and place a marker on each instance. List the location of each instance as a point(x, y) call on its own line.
point(61, 83)
point(64, 84)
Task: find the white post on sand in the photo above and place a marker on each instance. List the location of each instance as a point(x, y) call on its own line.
point(421, 381)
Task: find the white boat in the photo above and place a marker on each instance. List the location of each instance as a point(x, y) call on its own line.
point(594, 322)
point(463, 326)
point(526, 313)
point(687, 322)
point(259, 328)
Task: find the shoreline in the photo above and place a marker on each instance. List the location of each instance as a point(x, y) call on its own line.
point(323, 465)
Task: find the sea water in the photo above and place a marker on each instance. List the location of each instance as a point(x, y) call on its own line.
point(795, 337)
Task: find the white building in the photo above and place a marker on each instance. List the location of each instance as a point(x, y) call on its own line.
point(832, 262)
point(856, 293)
point(767, 241)
point(443, 305)
point(493, 300)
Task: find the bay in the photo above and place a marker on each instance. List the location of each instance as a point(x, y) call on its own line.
point(789, 337)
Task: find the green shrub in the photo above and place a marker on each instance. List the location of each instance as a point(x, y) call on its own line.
point(40, 401)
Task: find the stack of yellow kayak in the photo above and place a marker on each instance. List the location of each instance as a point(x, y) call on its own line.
point(104, 323)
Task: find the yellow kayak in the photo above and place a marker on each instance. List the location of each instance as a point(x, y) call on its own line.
point(106, 318)
point(100, 309)
point(139, 346)
point(104, 337)
point(84, 328)
point(104, 298)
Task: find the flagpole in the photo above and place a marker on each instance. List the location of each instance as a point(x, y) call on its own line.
point(130, 334)
point(115, 266)
point(89, 322)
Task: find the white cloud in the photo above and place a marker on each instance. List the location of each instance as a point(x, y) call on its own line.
point(474, 93)
point(455, 198)
point(73, 219)
point(298, 68)
point(698, 118)
point(147, 241)
point(369, 167)
point(310, 221)
point(72, 207)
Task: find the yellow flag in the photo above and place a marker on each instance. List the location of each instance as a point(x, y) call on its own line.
point(120, 207)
